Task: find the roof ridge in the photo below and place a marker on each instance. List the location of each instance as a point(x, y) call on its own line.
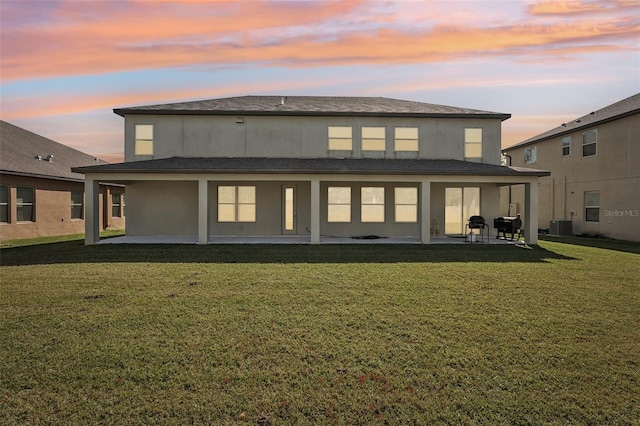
point(620, 109)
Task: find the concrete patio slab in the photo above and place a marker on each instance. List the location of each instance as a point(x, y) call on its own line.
point(166, 239)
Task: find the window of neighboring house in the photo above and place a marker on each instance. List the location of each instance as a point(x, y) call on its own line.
point(4, 204)
point(236, 204)
point(340, 138)
point(339, 204)
point(24, 204)
point(530, 155)
point(406, 204)
point(592, 206)
point(144, 139)
point(77, 198)
point(589, 143)
point(566, 146)
point(406, 139)
point(115, 205)
point(372, 204)
point(473, 144)
point(374, 139)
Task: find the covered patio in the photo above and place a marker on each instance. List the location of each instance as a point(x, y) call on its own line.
point(182, 195)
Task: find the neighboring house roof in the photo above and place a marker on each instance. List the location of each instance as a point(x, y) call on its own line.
point(312, 166)
point(27, 154)
point(311, 105)
point(621, 109)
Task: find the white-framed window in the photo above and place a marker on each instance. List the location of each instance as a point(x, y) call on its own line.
point(566, 146)
point(144, 139)
point(339, 204)
point(406, 139)
point(372, 204)
point(340, 138)
point(236, 203)
point(589, 143)
point(473, 144)
point(115, 205)
point(24, 204)
point(530, 155)
point(406, 204)
point(77, 200)
point(4, 204)
point(374, 139)
point(592, 206)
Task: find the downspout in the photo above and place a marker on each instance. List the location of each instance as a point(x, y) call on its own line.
point(509, 202)
point(564, 197)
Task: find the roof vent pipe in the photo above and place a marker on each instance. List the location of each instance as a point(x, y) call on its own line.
point(49, 158)
point(282, 100)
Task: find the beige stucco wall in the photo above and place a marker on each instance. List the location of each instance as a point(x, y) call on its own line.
point(162, 208)
point(171, 208)
point(302, 137)
point(52, 209)
point(614, 171)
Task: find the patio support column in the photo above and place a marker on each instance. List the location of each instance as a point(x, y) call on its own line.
point(531, 212)
point(425, 212)
point(92, 211)
point(315, 211)
point(203, 211)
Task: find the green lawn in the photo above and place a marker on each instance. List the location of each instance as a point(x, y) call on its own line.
point(356, 334)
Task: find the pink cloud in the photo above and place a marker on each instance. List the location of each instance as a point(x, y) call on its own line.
point(149, 35)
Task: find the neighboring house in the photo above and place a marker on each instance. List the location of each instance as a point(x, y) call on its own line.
point(310, 167)
point(40, 195)
point(594, 186)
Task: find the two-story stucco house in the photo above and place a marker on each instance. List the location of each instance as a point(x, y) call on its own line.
point(309, 169)
point(594, 160)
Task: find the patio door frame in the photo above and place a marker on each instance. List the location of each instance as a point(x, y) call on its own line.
point(289, 210)
point(464, 214)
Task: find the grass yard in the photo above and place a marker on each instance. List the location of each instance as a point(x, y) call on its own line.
point(357, 334)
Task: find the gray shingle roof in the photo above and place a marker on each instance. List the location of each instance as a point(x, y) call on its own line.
point(20, 148)
point(312, 166)
point(621, 109)
point(311, 105)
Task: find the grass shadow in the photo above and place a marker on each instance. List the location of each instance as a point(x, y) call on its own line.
point(77, 252)
point(603, 243)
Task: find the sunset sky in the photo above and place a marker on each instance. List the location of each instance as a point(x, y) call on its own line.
point(65, 64)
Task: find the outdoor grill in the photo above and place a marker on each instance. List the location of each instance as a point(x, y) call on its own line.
point(507, 225)
point(476, 222)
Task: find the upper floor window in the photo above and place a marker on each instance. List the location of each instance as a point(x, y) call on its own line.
point(473, 144)
point(372, 204)
point(406, 204)
point(374, 139)
point(144, 139)
point(339, 204)
point(406, 139)
point(530, 155)
point(566, 146)
point(592, 206)
point(24, 204)
point(76, 204)
point(340, 138)
point(236, 204)
point(4, 204)
point(589, 143)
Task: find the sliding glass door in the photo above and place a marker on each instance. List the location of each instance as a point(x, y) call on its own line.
point(460, 204)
